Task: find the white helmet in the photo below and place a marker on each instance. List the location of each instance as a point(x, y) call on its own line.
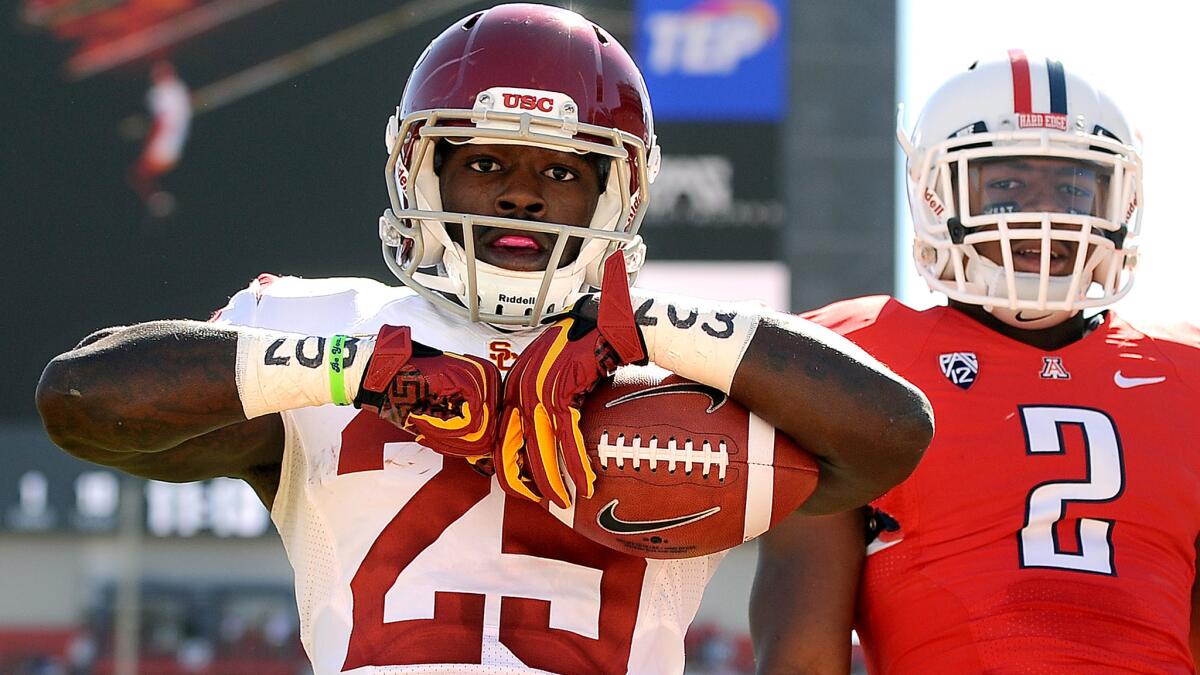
point(1021, 109)
point(529, 75)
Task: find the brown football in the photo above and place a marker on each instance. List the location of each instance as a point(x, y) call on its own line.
point(682, 469)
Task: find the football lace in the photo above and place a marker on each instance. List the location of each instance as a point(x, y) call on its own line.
point(674, 453)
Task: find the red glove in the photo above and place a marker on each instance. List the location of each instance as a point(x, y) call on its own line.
point(540, 437)
point(449, 400)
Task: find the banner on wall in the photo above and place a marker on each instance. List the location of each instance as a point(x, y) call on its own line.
point(717, 196)
point(713, 59)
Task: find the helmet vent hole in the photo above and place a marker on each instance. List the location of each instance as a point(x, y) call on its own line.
point(472, 21)
point(600, 35)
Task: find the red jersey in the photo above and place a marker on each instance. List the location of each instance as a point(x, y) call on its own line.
point(1051, 526)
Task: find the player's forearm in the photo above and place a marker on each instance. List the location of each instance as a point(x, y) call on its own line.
point(803, 597)
point(142, 389)
point(155, 385)
point(867, 426)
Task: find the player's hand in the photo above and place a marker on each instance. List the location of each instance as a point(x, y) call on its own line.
point(448, 400)
point(540, 438)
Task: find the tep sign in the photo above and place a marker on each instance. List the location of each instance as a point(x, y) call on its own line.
point(713, 59)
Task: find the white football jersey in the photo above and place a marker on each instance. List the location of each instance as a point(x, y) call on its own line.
point(410, 562)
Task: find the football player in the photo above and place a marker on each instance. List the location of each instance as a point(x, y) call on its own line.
point(170, 105)
point(427, 526)
point(1052, 525)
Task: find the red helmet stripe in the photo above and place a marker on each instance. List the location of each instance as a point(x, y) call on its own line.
point(1022, 91)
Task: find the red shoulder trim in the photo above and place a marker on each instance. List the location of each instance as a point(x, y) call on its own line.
point(848, 316)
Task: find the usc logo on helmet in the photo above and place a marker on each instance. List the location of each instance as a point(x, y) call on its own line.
point(527, 102)
point(501, 353)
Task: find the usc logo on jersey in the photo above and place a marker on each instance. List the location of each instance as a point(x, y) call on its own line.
point(501, 353)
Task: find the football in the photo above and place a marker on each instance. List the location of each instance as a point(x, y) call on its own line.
point(681, 469)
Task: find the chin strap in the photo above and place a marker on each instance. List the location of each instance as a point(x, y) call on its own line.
point(1031, 319)
point(987, 278)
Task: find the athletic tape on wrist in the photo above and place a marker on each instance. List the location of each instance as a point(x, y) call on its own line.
point(701, 340)
point(282, 371)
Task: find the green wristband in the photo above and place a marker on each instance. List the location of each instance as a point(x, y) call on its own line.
point(337, 376)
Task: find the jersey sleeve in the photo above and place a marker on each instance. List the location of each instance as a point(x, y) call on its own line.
point(886, 328)
point(242, 308)
point(1179, 344)
point(311, 306)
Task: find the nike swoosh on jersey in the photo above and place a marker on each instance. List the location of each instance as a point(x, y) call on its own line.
point(1131, 382)
point(607, 519)
point(877, 546)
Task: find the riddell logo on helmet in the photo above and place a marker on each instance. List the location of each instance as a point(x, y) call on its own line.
point(633, 208)
point(1130, 209)
point(934, 204)
point(527, 102)
point(516, 299)
point(1042, 121)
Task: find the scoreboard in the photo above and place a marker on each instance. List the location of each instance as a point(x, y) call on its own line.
point(45, 490)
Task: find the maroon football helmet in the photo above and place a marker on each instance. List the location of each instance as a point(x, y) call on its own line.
point(530, 75)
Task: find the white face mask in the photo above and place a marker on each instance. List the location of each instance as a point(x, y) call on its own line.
point(421, 254)
point(1040, 174)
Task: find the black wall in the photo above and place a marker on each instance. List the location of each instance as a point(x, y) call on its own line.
point(290, 180)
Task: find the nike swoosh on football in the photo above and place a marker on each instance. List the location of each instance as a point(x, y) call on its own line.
point(607, 519)
point(1130, 382)
point(716, 397)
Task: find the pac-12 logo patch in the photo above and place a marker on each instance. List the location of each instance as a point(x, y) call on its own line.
point(1053, 369)
point(961, 368)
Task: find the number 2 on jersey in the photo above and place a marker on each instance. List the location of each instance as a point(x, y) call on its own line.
point(1047, 502)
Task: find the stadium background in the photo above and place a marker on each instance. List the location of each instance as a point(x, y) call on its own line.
point(779, 182)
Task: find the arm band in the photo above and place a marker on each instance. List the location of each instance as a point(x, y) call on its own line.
point(281, 371)
point(701, 340)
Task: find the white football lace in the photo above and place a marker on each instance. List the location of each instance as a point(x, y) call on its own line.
point(636, 452)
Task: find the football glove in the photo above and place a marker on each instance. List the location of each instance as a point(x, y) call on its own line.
point(448, 400)
point(540, 438)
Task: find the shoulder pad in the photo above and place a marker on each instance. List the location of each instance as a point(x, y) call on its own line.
point(315, 306)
